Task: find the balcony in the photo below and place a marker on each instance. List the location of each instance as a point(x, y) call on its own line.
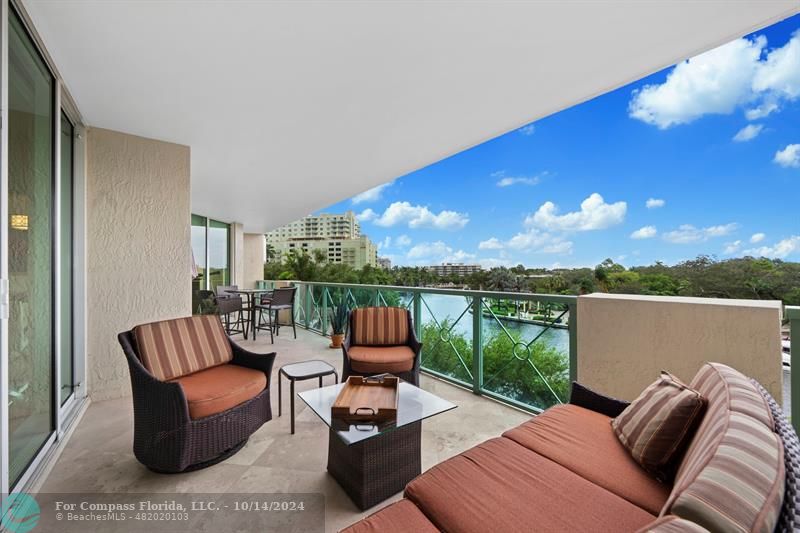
point(273, 461)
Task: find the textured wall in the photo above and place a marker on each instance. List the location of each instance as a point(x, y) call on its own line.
point(254, 247)
point(624, 341)
point(138, 248)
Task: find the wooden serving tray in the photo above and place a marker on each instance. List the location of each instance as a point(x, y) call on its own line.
point(367, 399)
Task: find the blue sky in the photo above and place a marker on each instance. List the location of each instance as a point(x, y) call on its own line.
point(700, 158)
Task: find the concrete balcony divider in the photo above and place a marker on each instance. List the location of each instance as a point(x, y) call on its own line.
point(625, 340)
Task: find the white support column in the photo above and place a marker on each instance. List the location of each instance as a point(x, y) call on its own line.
point(237, 254)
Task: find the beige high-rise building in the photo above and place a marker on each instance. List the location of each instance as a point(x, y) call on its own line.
point(338, 237)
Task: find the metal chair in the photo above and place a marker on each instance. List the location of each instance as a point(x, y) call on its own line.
point(226, 307)
point(280, 300)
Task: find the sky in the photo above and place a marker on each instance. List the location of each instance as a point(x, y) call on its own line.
point(699, 158)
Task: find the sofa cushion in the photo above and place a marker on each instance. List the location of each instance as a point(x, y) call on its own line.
point(399, 517)
point(655, 425)
point(174, 348)
point(672, 524)
point(732, 476)
point(379, 326)
point(217, 389)
point(379, 359)
point(500, 485)
point(583, 441)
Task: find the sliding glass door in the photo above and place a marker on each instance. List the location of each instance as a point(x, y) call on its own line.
point(211, 253)
point(66, 260)
point(31, 157)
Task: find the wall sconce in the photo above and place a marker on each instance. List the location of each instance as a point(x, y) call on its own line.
point(19, 222)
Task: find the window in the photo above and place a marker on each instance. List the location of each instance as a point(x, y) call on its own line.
point(211, 251)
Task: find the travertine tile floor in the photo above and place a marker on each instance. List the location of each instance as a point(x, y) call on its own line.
point(99, 457)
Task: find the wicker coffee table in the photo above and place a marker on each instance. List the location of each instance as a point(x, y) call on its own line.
point(373, 462)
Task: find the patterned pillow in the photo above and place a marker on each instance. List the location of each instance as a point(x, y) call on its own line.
point(655, 426)
point(380, 326)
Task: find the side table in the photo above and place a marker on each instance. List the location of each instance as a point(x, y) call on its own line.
point(301, 372)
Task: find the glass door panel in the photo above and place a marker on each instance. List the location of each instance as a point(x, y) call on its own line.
point(30, 250)
point(67, 355)
point(218, 239)
point(199, 275)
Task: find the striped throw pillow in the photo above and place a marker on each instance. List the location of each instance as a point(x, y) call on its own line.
point(655, 426)
point(173, 348)
point(380, 326)
point(672, 524)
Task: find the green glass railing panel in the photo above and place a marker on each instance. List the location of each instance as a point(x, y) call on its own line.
point(526, 351)
point(447, 336)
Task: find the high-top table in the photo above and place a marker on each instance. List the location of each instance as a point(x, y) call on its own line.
point(371, 462)
point(250, 294)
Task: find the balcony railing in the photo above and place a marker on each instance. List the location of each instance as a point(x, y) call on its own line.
point(519, 348)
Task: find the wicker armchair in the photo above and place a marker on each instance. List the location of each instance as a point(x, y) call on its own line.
point(173, 432)
point(381, 340)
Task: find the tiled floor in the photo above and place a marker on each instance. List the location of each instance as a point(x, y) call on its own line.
point(98, 457)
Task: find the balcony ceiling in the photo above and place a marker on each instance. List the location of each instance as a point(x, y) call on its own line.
point(291, 106)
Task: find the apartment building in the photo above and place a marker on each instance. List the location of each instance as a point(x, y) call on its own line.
point(334, 226)
point(454, 269)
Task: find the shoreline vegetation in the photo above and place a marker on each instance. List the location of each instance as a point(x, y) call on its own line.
point(705, 276)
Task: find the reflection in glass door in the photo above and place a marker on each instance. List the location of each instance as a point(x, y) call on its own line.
point(30, 250)
point(66, 259)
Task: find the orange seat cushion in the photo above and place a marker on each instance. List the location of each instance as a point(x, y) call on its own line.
point(399, 517)
point(584, 442)
point(500, 485)
point(379, 359)
point(217, 389)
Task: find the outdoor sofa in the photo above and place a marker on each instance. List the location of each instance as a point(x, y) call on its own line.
point(566, 470)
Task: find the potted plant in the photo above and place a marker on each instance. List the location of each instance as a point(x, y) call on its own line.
point(339, 316)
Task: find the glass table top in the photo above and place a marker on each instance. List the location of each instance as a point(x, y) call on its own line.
point(413, 405)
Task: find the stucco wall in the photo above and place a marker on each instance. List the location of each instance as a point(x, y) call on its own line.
point(138, 247)
point(624, 341)
point(254, 248)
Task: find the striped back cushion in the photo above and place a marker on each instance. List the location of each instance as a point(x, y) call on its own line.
point(655, 425)
point(732, 476)
point(173, 348)
point(380, 326)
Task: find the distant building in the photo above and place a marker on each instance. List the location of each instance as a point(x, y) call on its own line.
point(385, 263)
point(338, 237)
point(454, 269)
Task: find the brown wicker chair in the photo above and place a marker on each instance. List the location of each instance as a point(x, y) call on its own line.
point(379, 350)
point(170, 435)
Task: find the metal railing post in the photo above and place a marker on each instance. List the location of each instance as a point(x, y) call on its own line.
point(307, 305)
point(417, 310)
point(573, 341)
point(324, 313)
point(793, 314)
point(477, 344)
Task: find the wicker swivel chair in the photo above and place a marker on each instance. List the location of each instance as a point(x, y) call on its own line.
point(381, 340)
point(197, 395)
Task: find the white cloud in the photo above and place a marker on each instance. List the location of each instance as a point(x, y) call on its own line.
point(645, 232)
point(438, 252)
point(687, 234)
point(748, 133)
point(595, 214)
point(715, 82)
point(654, 203)
point(732, 247)
point(507, 181)
point(493, 262)
point(781, 249)
point(722, 79)
point(385, 243)
point(789, 156)
point(757, 237)
point(490, 244)
point(415, 216)
point(402, 241)
point(426, 250)
point(366, 215)
point(530, 129)
point(371, 195)
point(563, 247)
point(761, 111)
